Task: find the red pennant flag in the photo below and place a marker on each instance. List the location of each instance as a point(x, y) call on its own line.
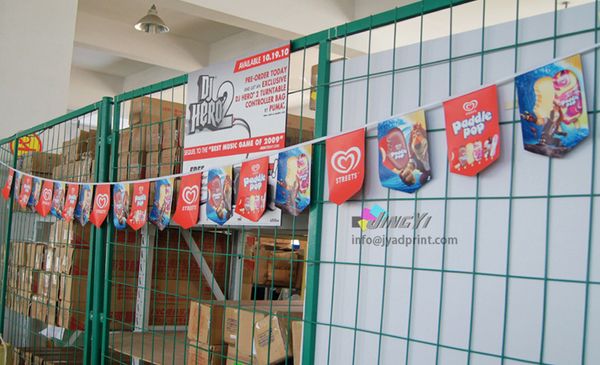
point(8, 186)
point(139, 205)
point(45, 203)
point(70, 202)
point(473, 131)
point(17, 185)
point(188, 203)
point(101, 205)
point(26, 183)
point(252, 189)
point(345, 165)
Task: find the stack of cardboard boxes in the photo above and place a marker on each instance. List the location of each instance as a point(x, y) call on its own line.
point(40, 164)
point(77, 159)
point(260, 332)
point(151, 145)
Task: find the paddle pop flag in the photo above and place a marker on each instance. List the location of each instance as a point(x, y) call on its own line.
point(219, 189)
point(44, 205)
point(139, 205)
point(252, 189)
point(404, 152)
point(188, 202)
point(101, 205)
point(58, 200)
point(160, 213)
point(70, 202)
point(473, 131)
point(120, 205)
point(36, 189)
point(8, 185)
point(345, 165)
point(84, 206)
point(26, 184)
point(293, 180)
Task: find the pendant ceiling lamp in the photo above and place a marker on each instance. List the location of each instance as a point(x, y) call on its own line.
point(152, 23)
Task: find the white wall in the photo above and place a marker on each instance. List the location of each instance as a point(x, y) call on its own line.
point(352, 296)
point(88, 87)
point(239, 44)
point(36, 46)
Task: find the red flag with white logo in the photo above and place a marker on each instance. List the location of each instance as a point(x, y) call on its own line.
point(101, 205)
point(473, 131)
point(188, 202)
point(345, 165)
point(45, 203)
point(26, 183)
point(139, 205)
point(252, 189)
point(8, 186)
point(70, 202)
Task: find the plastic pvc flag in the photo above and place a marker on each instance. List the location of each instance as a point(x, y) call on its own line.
point(84, 205)
point(44, 204)
point(70, 202)
point(404, 152)
point(120, 205)
point(34, 197)
point(293, 180)
point(554, 118)
point(473, 131)
point(252, 189)
point(17, 185)
point(219, 188)
point(345, 165)
point(8, 185)
point(139, 205)
point(101, 205)
point(58, 200)
point(160, 213)
point(188, 202)
point(26, 183)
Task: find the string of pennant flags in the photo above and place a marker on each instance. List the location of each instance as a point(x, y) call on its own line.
point(553, 115)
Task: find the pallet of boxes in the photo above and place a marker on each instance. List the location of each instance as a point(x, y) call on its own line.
point(243, 332)
point(151, 145)
point(76, 163)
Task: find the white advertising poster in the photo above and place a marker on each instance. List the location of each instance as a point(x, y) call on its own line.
point(236, 110)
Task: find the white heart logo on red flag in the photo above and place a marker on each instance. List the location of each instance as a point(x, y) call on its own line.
point(190, 194)
point(345, 165)
point(188, 209)
point(47, 194)
point(101, 205)
point(102, 200)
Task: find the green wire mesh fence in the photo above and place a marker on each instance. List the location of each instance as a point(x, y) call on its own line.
point(511, 277)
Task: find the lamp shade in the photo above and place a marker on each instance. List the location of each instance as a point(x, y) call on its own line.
point(152, 23)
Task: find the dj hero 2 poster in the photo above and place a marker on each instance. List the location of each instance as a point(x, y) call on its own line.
point(236, 110)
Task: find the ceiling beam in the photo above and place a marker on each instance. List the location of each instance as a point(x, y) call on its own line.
point(165, 50)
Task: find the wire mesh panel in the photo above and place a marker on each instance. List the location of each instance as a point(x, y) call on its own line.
point(499, 268)
point(49, 260)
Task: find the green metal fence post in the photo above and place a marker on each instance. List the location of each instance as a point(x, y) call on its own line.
point(99, 243)
point(316, 210)
point(7, 245)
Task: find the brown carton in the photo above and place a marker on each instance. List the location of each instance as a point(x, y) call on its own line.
point(161, 163)
point(132, 139)
point(39, 163)
point(149, 110)
point(163, 135)
point(235, 358)
point(131, 165)
point(83, 145)
point(297, 341)
point(202, 354)
point(273, 337)
point(205, 322)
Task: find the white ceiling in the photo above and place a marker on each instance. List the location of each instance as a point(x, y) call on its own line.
point(106, 63)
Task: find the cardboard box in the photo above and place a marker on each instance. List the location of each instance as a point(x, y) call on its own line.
point(132, 139)
point(297, 341)
point(38, 163)
point(39, 257)
point(162, 163)
point(30, 248)
point(165, 135)
point(149, 110)
point(205, 322)
point(235, 358)
point(131, 165)
point(273, 337)
point(201, 354)
point(83, 145)
point(49, 285)
point(39, 307)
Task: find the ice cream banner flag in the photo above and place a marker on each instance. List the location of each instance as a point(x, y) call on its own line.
point(293, 180)
point(120, 205)
point(70, 202)
point(552, 107)
point(139, 205)
point(26, 183)
point(17, 185)
point(345, 165)
point(473, 131)
point(188, 202)
point(404, 152)
point(84, 205)
point(219, 188)
point(58, 200)
point(36, 189)
point(8, 185)
point(44, 205)
point(252, 189)
point(160, 214)
point(101, 205)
